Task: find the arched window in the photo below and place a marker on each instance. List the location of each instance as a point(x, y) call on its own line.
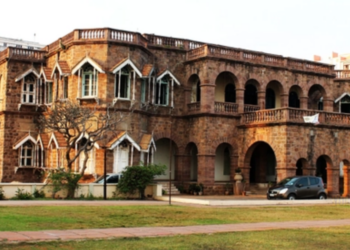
point(89, 81)
point(122, 84)
point(294, 100)
point(250, 95)
point(28, 90)
point(27, 153)
point(270, 99)
point(198, 91)
point(230, 93)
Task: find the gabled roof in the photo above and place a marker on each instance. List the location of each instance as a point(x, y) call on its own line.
point(43, 140)
point(27, 72)
point(45, 72)
point(342, 96)
point(147, 70)
point(91, 62)
point(164, 73)
point(58, 139)
point(146, 142)
point(62, 67)
point(121, 137)
point(96, 145)
point(123, 63)
point(27, 137)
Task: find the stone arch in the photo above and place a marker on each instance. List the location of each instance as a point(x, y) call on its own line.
point(163, 155)
point(274, 90)
point(194, 82)
point(225, 87)
point(252, 87)
point(260, 163)
point(316, 94)
point(190, 163)
point(295, 92)
point(302, 167)
point(223, 162)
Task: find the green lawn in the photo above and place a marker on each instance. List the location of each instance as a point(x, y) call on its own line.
point(308, 239)
point(81, 217)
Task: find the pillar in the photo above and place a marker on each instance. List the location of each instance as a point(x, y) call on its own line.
point(346, 178)
point(206, 172)
point(240, 100)
point(207, 97)
point(328, 104)
point(261, 99)
point(303, 102)
point(183, 168)
point(284, 100)
point(333, 182)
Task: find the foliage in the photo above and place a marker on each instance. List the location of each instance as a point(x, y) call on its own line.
point(2, 195)
point(64, 180)
point(21, 194)
point(196, 188)
point(39, 193)
point(238, 170)
point(79, 125)
point(136, 178)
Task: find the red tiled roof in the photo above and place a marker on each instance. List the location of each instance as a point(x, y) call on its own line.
point(145, 141)
point(120, 134)
point(64, 67)
point(60, 139)
point(147, 69)
point(45, 139)
point(47, 73)
point(119, 63)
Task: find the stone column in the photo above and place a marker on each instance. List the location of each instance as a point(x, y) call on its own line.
point(303, 102)
point(261, 99)
point(328, 104)
point(333, 182)
point(240, 100)
point(283, 172)
point(206, 172)
point(207, 97)
point(284, 100)
point(346, 192)
point(183, 168)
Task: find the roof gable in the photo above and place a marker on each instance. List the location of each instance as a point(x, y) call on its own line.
point(342, 96)
point(45, 72)
point(146, 142)
point(147, 70)
point(24, 139)
point(91, 62)
point(27, 72)
point(62, 67)
point(167, 72)
point(121, 137)
point(123, 63)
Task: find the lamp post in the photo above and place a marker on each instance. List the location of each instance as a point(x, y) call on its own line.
point(104, 174)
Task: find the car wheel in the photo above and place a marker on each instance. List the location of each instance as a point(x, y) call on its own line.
point(322, 197)
point(291, 197)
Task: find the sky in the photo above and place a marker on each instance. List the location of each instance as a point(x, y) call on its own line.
point(291, 28)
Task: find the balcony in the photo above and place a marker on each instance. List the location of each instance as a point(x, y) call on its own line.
point(23, 54)
point(342, 74)
point(292, 115)
point(223, 108)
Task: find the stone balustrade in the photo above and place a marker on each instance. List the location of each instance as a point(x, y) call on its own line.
point(225, 108)
point(193, 107)
point(250, 108)
point(342, 74)
point(23, 54)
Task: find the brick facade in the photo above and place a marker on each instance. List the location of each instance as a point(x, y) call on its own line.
point(249, 104)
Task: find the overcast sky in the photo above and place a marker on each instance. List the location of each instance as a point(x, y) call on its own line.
point(292, 28)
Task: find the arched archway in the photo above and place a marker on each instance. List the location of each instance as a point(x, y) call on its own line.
point(273, 95)
point(251, 92)
point(163, 155)
point(223, 162)
point(225, 87)
point(302, 167)
point(294, 97)
point(262, 161)
point(315, 97)
point(193, 152)
point(321, 168)
point(194, 82)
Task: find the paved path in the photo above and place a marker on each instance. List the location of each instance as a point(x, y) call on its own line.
point(109, 233)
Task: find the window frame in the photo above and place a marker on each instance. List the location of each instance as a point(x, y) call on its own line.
point(162, 92)
point(24, 156)
point(91, 86)
point(26, 93)
point(119, 81)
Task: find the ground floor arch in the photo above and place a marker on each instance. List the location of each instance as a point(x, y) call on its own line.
point(223, 162)
point(165, 155)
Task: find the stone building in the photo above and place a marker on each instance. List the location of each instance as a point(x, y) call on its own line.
point(218, 108)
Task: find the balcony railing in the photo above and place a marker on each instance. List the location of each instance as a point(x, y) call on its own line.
point(342, 74)
point(250, 108)
point(23, 54)
point(293, 115)
point(226, 108)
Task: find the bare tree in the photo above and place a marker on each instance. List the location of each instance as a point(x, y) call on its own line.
point(79, 125)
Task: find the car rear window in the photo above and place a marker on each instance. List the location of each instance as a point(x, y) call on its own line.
point(314, 181)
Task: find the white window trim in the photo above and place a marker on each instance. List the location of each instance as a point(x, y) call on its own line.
point(119, 77)
point(93, 77)
point(27, 93)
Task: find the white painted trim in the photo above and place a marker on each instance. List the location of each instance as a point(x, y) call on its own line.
point(91, 62)
point(342, 96)
point(127, 62)
point(54, 139)
point(29, 71)
point(151, 143)
point(24, 140)
point(127, 137)
point(167, 72)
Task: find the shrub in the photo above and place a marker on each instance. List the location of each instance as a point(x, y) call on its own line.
point(136, 178)
point(2, 196)
point(23, 195)
point(62, 180)
point(39, 193)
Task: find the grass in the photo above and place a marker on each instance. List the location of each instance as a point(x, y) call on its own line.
point(305, 239)
point(83, 217)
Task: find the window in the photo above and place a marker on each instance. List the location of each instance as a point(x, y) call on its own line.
point(89, 82)
point(122, 84)
point(28, 92)
point(162, 91)
point(65, 87)
point(26, 154)
point(49, 93)
point(143, 91)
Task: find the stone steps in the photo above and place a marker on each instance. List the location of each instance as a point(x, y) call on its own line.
point(172, 189)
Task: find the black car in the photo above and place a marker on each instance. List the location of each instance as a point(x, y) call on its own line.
point(110, 178)
point(298, 187)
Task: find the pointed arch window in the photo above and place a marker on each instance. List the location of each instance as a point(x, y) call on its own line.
point(89, 81)
point(162, 91)
point(27, 154)
point(28, 90)
point(122, 83)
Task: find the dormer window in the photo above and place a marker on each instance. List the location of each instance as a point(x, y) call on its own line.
point(26, 158)
point(28, 90)
point(122, 84)
point(89, 81)
point(162, 91)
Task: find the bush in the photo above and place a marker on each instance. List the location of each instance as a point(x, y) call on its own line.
point(136, 178)
point(2, 196)
point(62, 180)
point(39, 193)
point(23, 195)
